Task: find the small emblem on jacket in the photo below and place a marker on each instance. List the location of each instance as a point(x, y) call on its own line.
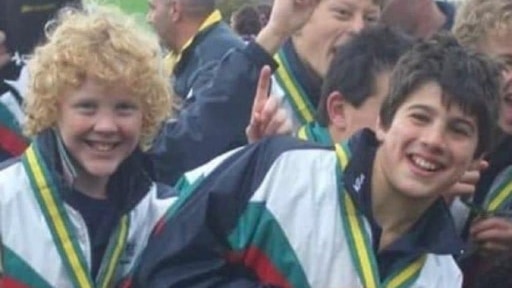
point(359, 183)
point(129, 253)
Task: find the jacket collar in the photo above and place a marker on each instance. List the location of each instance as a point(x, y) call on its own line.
point(126, 187)
point(311, 83)
point(173, 59)
point(499, 158)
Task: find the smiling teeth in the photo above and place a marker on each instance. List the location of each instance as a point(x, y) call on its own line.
point(103, 147)
point(424, 164)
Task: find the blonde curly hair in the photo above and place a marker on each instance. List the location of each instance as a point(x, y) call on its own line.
point(477, 19)
point(103, 44)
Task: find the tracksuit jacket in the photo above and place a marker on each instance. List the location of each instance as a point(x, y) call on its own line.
point(43, 239)
point(275, 214)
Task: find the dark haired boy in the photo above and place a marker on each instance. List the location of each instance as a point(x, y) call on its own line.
point(356, 84)
point(286, 213)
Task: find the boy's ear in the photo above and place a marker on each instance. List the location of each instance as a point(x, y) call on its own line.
point(175, 10)
point(380, 131)
point(336, 110)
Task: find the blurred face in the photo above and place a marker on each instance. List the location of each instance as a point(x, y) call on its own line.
point(427, 147)
point(333, 23)
point(100, 127)
point(401, 13)
point(365, 116)
point(500, 46)
point(159, 16)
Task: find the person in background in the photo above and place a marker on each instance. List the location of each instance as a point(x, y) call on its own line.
point(246, 22)
point(209, 119)
point(419, 18)
point(379, 193)
point(216, 121)
point(95, 100)
point(356, 84)
point(305, 55)
point(196, 37)
point(486, 26)
point(21, 29)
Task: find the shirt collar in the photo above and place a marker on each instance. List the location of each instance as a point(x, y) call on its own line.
point(317, 133)
point(433, 233)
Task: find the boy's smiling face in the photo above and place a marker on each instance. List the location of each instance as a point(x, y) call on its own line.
point(334, 23)
point(427, 146)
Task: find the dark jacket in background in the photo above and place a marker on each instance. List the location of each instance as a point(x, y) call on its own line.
point(198, 61)
point(215, 116)
point(23, 23)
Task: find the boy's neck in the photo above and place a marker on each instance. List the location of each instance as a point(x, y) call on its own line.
point(93, 187)
point(392, 210)
point(85, 183)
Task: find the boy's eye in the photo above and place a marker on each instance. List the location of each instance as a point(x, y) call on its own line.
point(343, 14)
point(507, 62)
point(126, 107)
point(371, 18)
point(85, 106)
point(507, 100)
point(461, 130)
point(420, 117)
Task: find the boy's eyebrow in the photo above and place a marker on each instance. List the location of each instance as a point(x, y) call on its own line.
point(351, 5)
point(336, 5)
point(421, 107)
point(458, 119)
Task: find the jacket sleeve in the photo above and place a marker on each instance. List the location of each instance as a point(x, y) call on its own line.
point(191, 249)
point(215, 121)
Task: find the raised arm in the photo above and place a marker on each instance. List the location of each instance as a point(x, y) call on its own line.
point(216, 121)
